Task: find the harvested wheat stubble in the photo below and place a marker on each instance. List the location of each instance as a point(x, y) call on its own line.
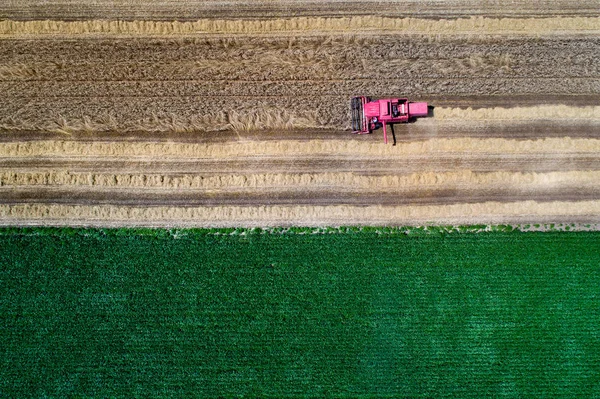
point(224, 216)
point(462, 179)
point(305, 25)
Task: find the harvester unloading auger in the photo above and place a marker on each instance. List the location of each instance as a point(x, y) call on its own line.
point(368, 115)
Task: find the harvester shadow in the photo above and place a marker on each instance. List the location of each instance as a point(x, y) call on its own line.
point(430, 111)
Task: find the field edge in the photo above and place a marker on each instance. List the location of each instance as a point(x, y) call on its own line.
point(178, 233)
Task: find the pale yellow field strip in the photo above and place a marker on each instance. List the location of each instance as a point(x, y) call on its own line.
point(222, 216)
point(304, 25)
point(290, 182)
point(557, 112)
point(295, 148)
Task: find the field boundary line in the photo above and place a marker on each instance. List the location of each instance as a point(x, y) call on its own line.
point(187, 233)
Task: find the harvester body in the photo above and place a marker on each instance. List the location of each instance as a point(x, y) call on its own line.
point(369, 115)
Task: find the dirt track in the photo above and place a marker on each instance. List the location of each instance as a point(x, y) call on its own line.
point(252, 129)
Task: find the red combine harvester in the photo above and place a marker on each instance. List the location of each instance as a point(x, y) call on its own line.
point(368, 115)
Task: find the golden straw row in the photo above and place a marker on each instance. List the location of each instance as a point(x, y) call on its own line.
point(296, 148)
point(303, 181)
point(356, 24)
point(488, 212)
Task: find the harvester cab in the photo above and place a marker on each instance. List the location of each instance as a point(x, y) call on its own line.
point(369, 115)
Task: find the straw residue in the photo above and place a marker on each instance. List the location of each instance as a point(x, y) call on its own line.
point(464, 179)
point(540, 112)
point(487, 212)
point(355, 24)
point(288, 148)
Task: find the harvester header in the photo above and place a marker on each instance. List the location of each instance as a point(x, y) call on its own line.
point(369, 115)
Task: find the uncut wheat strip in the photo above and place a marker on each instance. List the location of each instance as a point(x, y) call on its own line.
point(463, 179)
point(295, 148)
point(254, 119)
point(208, 122)
point(487, 212)
point(355, 24)
point(283, 119)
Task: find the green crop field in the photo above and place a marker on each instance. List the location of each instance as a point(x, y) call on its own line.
point(388, 313)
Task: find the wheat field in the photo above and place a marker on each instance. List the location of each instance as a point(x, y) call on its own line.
point(232, 118)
